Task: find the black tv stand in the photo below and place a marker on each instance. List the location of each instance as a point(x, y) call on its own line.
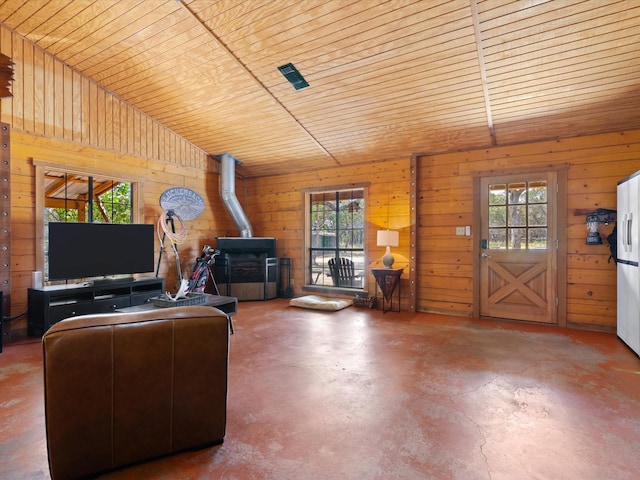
point(110, 280)
point(49, 305)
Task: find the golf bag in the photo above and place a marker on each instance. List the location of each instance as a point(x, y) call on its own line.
point(202, 270)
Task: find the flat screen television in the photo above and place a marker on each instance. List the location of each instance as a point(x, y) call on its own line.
point(90, 250)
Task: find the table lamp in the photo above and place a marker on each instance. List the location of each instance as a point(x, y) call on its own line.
point(388, 238)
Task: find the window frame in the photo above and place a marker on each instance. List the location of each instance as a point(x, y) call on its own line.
point(309, 281)
point(527, 223)
point(42, 166)
point(87, 203)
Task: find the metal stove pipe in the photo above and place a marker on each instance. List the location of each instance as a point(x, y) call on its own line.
point(228, 194)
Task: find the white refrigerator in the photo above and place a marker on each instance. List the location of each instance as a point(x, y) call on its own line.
point(628, 230)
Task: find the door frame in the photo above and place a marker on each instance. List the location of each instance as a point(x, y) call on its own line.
point(561, 230)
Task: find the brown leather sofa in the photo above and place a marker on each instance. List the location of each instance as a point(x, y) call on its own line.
point(122, 388)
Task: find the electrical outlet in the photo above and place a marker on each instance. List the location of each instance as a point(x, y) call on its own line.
point(459, 230)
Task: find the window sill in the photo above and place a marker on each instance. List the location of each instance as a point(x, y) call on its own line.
point(350, 292)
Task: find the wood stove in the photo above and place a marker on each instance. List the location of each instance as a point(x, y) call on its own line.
point(247, 268)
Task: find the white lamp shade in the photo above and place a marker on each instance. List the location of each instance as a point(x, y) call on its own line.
point(388, 238)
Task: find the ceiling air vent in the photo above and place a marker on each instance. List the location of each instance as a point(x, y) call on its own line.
point(292, 74)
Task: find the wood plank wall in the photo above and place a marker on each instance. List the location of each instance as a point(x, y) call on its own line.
point(58, 116)
point(154, 177)
point(61, 118)
point(52, 100)
point(445, 201)
point(276, 209)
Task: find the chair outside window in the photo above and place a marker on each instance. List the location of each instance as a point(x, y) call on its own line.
point(342, 272)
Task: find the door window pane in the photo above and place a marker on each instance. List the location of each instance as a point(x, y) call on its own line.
point(517, 238)
point(517, 193)
point(497, 216)
point(498, 194)
point(498, 238)
point(517, 215)
point(537, 238)
point(538, 192)
point(537, 215)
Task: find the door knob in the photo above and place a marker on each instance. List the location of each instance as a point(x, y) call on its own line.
point(485, 255)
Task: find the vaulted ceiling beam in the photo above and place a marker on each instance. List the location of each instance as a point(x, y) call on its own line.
point(483, 70)
point(257, 81)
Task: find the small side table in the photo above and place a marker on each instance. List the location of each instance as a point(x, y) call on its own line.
point(388, 279)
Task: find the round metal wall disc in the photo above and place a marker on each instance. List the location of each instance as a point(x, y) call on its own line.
point(184, 202)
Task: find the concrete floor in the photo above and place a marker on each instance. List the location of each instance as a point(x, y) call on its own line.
point(358, 394)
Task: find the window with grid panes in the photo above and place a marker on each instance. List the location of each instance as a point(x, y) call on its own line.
point(336, 222)
point(518, 215)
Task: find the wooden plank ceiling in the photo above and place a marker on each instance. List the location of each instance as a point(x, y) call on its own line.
point(386, 77)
